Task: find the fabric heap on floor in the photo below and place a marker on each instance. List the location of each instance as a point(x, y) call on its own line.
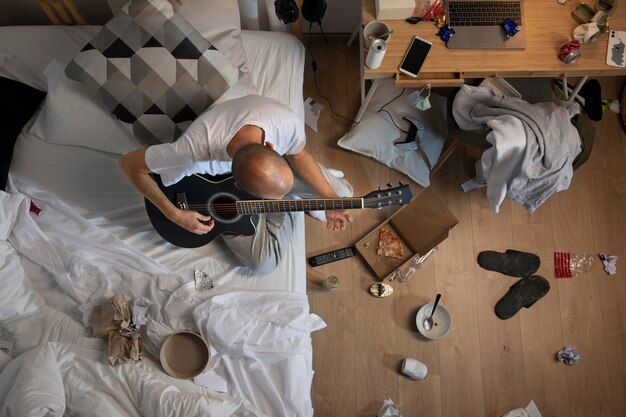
point(534, 145)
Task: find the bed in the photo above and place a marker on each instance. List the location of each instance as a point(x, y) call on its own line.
point(74, 232)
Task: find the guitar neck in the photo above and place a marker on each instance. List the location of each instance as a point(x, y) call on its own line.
point(286, 206)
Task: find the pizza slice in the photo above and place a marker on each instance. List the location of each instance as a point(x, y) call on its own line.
point(389, 245)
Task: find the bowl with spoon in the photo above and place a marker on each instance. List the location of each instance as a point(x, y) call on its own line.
point(433, 320)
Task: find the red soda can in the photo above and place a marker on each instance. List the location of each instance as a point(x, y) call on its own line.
point(570, 51)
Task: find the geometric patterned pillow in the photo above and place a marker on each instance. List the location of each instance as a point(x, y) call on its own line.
point(153, 70)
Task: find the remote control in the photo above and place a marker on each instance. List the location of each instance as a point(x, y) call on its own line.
point(332, 256)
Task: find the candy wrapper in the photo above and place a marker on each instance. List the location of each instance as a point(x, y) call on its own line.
point(203, 281)
point(140, 310)
point(436, 9)
point(510, 27)
point(568, 265)
point(445, 33)
point(569, 355)
point(610, 263)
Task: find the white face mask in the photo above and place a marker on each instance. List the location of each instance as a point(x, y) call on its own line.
point(420, 99)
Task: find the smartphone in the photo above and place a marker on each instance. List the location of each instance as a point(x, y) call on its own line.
point(415, 56)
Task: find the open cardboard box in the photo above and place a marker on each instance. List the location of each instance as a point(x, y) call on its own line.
point(420, 225)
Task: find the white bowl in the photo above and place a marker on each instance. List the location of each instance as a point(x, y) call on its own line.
point(441, 321)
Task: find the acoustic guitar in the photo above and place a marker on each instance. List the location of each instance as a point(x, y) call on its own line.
point(235, 211)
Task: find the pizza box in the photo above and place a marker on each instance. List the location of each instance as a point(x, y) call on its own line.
point(420, 225)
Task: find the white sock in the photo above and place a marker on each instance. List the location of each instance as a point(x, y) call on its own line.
point(318, 215)
point(336, 173)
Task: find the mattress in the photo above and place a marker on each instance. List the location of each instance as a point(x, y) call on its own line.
point(91, 183)
point(93, 237)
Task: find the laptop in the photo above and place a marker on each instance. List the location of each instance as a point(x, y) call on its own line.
point(478, 24)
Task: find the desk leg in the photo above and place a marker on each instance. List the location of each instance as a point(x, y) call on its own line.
point(366, 99)
point(570, 97)
point(577, 88)
point(354, 34)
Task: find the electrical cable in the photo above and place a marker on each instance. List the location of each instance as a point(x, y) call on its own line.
point(382, 109)
point(314, 68)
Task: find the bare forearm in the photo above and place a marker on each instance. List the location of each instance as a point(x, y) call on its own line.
point(134, 166)
point(308, 169)
point(139, 174)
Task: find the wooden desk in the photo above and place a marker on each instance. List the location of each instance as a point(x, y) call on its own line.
point(548, 26)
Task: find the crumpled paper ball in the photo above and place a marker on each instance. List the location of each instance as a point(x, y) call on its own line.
point(569, 355)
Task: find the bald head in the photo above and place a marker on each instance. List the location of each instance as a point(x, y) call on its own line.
point(261, 171)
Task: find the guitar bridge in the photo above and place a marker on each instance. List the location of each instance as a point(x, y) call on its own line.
point(181, 201)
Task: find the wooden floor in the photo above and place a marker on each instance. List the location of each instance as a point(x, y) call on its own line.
point(485, 366)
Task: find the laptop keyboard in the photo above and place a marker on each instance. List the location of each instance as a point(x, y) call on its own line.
point(483, 13)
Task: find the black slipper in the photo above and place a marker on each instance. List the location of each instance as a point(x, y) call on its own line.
point(512, 262)
point(524, 293)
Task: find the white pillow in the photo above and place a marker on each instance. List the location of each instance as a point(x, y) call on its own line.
point(375, 135)
point(73, 115)
point(216, 20)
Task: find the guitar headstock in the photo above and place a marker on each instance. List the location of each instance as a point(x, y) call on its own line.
point(396, 196)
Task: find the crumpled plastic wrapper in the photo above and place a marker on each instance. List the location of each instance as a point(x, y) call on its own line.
point(569, 355)
point(203, 281)
point(568, 265)
point(389, 409)
point(140, 309)
point(610, 263)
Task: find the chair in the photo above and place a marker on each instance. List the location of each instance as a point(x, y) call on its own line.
point(475, 143)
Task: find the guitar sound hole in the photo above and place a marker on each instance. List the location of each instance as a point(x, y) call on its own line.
point(224, 207)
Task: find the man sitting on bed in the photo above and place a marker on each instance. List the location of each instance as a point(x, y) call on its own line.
point(246, 136)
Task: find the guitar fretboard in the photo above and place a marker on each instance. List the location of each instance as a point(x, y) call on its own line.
point(285, 206)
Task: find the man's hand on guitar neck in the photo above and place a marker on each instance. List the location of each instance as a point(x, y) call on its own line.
point(338, 219)
point(193, 221)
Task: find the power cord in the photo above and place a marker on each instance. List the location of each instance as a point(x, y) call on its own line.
point(382, 109)
point(314, 68)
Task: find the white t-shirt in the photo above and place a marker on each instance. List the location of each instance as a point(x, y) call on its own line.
point(202, 148)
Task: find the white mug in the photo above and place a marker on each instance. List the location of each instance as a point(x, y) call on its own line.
point(376, 29)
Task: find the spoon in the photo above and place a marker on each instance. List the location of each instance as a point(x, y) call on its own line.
point(428, 321)
point(372, 37)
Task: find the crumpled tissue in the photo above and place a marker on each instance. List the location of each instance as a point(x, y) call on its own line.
point(569, 355)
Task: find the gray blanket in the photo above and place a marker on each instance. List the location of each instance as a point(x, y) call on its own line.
point(544, 164)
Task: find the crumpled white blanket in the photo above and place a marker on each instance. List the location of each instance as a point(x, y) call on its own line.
point(88, 264)
point(534, 145)
point(258, 338)
point(57, 379)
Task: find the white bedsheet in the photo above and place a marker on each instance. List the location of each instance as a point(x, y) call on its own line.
point(93, 238)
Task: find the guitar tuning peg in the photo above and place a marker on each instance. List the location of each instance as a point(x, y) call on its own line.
point(389, 185)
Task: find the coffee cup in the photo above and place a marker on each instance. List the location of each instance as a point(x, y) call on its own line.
point(376, 29)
